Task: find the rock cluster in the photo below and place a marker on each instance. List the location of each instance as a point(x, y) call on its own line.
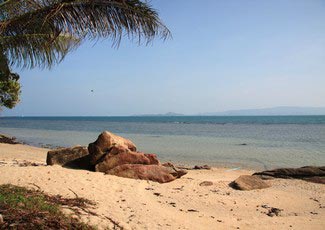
point(115, 155)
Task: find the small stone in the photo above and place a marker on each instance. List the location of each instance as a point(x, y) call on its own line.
point(1, 219)
point(173, 204)
point(157, 194)
point(192, 210)
point(206, 183)
point(199, 167)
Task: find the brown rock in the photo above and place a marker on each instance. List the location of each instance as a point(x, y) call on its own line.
point(8, 140)
point(117, 149)
point(206, 183)
point(152, 158)
point(177, 172)
point(307, 171)
point(119, 156)
point(207, 167)
point(75, 157)
point(156, 173)
point(246, 182)
point(104, 143)
point(168, 164)
point(316, 179)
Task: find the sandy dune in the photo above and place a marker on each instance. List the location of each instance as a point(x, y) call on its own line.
point(181, 204)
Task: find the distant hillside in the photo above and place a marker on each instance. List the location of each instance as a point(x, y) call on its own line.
point(275, 111)
point(283, 110)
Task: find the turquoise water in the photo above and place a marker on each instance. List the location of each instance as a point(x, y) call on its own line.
point(270, 141)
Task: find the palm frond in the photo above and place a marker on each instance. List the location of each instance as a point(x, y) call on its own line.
point(82, 19)
point(42, 50)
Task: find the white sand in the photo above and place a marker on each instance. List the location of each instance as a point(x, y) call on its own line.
point(133, 204)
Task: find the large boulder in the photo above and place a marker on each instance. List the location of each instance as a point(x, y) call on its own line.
point(308, 173)
point(119, 155)
point(303, 172)
point(104, 144)
point(158, 173)
point(247, 182)
point(75, 157)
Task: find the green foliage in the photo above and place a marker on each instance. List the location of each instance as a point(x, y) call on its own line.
point(39, 33)
point(9, 90)
point(22, 198)
point(22, 208)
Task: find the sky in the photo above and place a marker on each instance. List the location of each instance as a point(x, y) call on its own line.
point(223, 55)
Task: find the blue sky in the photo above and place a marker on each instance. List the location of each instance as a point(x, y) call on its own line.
point(224, 55)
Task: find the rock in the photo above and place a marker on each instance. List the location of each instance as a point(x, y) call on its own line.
point(75, 157)
point(274, 212)
point(176, 172)
point(8, 140)
point(1, 219)
point(202, 167)
point(309, 173)
point(247, 182)
point(116, 156)
point(104, 143)
point(315, 179)
point(152, 157)
point(271, 211)
point(156, 173)
point(168, 164)
point(119, 155)
point(206, 183)
point(192, 210)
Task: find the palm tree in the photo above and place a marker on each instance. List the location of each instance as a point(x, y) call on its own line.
point(39, 33)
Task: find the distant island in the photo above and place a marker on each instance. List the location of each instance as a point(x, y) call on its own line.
point(169, 114)
point(274, 111)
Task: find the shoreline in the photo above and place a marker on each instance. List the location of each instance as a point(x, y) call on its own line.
point(184, 203)
point(214, 151)
point(180, 163)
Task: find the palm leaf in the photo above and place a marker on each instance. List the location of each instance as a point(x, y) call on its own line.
point(81, 19)
point(43, 50)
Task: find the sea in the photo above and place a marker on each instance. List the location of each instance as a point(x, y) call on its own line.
point(251, 142)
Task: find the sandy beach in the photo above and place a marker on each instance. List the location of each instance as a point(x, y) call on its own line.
point(181, 204)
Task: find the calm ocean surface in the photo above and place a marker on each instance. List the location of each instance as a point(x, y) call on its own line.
point(270, 141)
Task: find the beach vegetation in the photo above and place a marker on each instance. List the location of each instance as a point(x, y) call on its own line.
point(40, 33)
point(23, 208)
